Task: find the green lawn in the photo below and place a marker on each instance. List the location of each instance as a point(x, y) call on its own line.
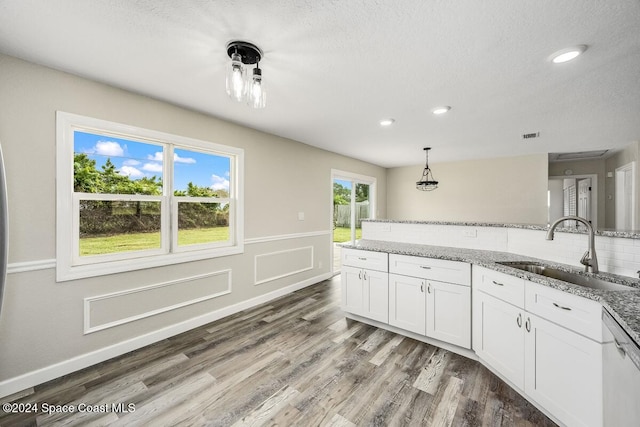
point(343, 234)
point(141, 241)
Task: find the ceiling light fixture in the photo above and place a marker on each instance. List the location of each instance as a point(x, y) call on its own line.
point(239, 88)
point(387, 122)
point(567, 54)
point(427, 182)
point(441, 110)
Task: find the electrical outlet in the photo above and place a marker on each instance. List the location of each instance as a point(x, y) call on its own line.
point(470, 233)
point(386, 227)
point(300, 216)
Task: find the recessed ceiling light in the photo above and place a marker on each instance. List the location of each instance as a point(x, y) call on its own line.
point(567, 54)
point(441, 110)
point(387, 122)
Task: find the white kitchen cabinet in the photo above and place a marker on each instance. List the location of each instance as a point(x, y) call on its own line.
point(563, 372)
point(430, 268)
point(428, 307)
point(407, 303)
point(365, 291)
point(555, 366)
point(498, 337)
point(449, 313)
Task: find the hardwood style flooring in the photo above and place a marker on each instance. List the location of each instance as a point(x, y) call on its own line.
point(295, 361)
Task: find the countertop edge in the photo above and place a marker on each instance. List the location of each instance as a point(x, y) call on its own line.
point(606, 233)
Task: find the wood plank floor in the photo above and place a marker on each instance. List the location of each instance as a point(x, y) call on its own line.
point(295, 361)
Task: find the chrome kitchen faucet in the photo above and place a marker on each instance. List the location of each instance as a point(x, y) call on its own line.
point(589, 259)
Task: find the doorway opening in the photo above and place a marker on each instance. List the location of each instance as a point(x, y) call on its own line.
point(353, 199)
point(625, 197)
point(573, 195)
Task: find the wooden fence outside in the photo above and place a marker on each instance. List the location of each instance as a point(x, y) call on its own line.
point(342, 214)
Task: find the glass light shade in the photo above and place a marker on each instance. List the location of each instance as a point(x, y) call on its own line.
point(236, 75)
point(256, 95)
point(427, 182)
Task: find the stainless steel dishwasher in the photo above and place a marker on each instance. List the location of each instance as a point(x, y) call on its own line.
point(621, 372)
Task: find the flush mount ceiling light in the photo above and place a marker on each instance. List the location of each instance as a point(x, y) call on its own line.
point(567, 54)
point(441, 110)
point(387, 122)
point(427, 183)
point(240, 87)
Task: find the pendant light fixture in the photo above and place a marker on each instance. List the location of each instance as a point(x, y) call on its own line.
point(239, 88)
point(427, 182)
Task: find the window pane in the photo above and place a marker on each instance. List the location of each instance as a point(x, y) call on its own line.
point(109, 165)
point(202, 223)
point(341, 210)
point(363, 210)
point(199, 174)
point(118, 226)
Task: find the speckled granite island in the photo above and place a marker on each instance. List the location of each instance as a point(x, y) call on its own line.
point(491, 292)
point(623, 305)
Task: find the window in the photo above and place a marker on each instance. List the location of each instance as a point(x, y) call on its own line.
point(131, 198)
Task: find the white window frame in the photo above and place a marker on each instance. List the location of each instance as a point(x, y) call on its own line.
point(355, 179)
point(70, 265)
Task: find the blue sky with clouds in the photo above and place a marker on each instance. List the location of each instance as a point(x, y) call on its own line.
point(139, 159)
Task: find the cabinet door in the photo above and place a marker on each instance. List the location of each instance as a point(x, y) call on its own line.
point(352, 284)
point(449, 313)
point(499, 336)
point(376, 300)
point(407, 303)
point(564, 372)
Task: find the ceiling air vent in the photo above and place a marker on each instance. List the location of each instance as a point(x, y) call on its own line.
point(530, 135)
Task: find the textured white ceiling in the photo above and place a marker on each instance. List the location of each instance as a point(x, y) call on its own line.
point(333, 68)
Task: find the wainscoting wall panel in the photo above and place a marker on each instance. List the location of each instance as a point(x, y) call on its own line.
point(275, 265)
point(106, 311)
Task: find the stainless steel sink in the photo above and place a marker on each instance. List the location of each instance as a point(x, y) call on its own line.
point(566, 276)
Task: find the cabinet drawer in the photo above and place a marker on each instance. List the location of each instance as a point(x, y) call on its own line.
point(576, 313)
point(378, 261)
point(503, 286)
point(429, 268)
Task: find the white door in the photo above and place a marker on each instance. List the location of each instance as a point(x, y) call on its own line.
point(353, 198)
point(499, 336)
point(407, 303)
point(625, 197)
point(352, 287)
point(449, 313)
point(564, 372)
point(376, 295)
point(584, 199)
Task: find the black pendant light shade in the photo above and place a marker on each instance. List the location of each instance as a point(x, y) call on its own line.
point(427, 182)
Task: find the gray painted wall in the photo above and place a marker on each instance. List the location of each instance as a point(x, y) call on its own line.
point(510, 189)
point(42, 321)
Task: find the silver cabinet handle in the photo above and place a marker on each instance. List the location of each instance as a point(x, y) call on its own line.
point(425, 267)
point(527, 324)
point(422, 287)
point(621, 349)
point(429, 287)
point(519, 320)
point(362, 258)
point(562, 307)
point(360, 275)
point(365, 275)
point(497, 283)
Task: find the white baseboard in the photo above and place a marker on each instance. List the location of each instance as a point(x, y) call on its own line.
point(30, 379)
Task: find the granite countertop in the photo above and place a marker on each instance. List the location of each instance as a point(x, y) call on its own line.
point(624, 305)
point(630, 234)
